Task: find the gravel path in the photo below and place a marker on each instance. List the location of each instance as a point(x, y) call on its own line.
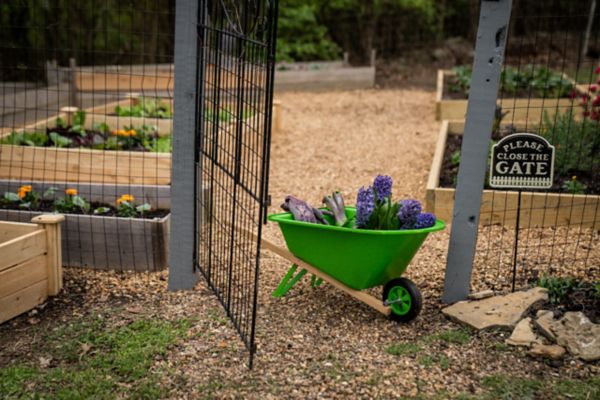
point(319, 343)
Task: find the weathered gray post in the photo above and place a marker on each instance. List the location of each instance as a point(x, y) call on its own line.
point(182, 249)
point(489, 53)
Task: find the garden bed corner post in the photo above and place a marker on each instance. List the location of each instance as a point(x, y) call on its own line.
point(489, 52)
point(182, 269)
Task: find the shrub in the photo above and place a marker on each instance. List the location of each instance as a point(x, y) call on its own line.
point(559, 288)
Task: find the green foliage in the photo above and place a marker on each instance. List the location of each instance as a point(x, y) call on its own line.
point(559, 288)
point(59, 140)
point(462, 80)
point(403, 349)
point(385, 216)
point(300, 36)
point(573, 186)
point(70, 204)
point(146, 107)
point(97, 362)
point(511, 387)
point(576, 142)
point(25, 139)
point(597, 289)
point(540, 80)
point(127, 209)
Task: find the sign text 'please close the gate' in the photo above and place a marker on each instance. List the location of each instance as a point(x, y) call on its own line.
point(522, 161)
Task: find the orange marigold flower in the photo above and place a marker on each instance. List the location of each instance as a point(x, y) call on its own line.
point(124, 132)
point(126, 197)
point(23, 190)
point(71, 192)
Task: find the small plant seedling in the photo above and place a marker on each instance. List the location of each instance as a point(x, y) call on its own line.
point(559, 288)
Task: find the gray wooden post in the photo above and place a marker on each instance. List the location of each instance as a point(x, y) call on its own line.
point(489, 53)
point(182, 249)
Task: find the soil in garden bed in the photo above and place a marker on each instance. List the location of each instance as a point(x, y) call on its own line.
point(583, 299)
point(48, 207)
point(91, 139)
point(449, 172)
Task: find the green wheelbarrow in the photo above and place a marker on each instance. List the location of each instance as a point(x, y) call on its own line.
point(353, 260)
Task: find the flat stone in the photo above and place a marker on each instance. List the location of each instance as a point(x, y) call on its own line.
point(497, 311)
point(579, 335)
point(543, 322)
point(552, 351)
point(523, 335)
point(484, 294)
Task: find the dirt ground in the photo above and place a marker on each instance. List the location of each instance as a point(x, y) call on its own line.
point(320, 343)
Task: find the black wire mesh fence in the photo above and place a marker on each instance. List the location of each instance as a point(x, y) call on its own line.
point(86, 124)
point(236, 77)
point(549, 86)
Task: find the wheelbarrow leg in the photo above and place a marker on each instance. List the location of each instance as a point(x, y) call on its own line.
point(288, 281)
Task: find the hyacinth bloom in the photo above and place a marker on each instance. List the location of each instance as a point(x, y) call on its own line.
point(23, 190)
point(425, 220)
point(71, 192)
point(383, 187)
point(126, 197)
point(408, 213)
point(365, 204)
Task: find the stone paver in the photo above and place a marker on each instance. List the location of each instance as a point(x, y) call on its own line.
point(497, 311)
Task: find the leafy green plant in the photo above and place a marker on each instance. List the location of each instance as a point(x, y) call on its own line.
point(71, 202)
point(462, 80)
point(576, 142)
point(145, 107)
point(573, 186)
point(538, 79)
point(127, 209)
point(559, 288)
point(25, 139)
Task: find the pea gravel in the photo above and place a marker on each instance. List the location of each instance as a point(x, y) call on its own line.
point(315, 343)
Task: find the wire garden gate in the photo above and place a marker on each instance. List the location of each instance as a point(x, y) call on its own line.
point(236, 53)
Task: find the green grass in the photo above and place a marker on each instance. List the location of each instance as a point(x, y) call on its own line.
point(95, 362)
point(452, 336)
point(403, 349)
point(508, 387)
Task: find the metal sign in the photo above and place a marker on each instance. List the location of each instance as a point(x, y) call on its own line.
point(522, 161)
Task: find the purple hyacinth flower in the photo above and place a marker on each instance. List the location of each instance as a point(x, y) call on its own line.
point(425, 220)
point(365, 204)
point(383, 187)
point(408, 213)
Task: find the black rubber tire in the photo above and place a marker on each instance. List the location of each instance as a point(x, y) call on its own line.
point(415, 295)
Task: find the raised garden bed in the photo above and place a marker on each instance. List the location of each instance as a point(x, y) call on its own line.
point(30, 264)
point(123, 234)
point(451, 105)
point(538, 209)
point(78, 164)
point(323, 75)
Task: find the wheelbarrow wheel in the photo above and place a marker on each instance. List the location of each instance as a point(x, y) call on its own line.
point(404, 299)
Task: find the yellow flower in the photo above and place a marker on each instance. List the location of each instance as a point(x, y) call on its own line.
point(23, 190)
point(126, 197)
point(71, 192)
point(574, 178)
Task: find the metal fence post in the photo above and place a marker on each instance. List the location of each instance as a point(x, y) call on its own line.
point(182, 249)
point(489, 52)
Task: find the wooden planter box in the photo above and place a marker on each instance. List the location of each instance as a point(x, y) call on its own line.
point(30, 264)
point(538, 209)
point(519, 109)
point(50, 164)
point(325, 76)
point(109, 243)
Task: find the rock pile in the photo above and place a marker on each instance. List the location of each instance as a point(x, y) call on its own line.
point(544, 335)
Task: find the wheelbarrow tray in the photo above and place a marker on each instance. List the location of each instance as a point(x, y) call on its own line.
point(358, 258)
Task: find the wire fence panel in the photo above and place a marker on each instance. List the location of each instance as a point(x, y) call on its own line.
point(86, 123)
point(237, 48)
point(549, 86)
